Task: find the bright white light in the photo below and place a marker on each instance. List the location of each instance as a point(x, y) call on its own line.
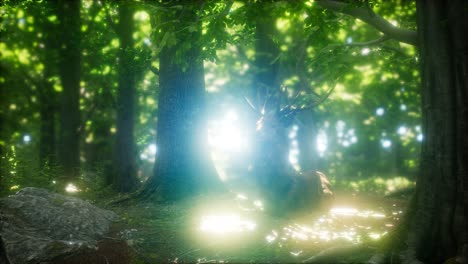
point(294, 143)
point(402, 130)
point(340, 125)
point(346, 211)
point(345, 143)
point(386, 143)
point(365, 51)
point(223, 224)
point(147, 41)
point(293, 159)
point(376, 236)
point(258, 204)
point(349, 40)
point(322, 142)
point(294, 151)
point(232, 116)
point(241, 196)
point(152, 149)
point(26, 139)
point(380, 111)
point(71, 188)
point(420, 137)
point(403, 107)
point(292, 134)
point(149, 153)
point(225, 135)
point(353, 139)
point(270, 238)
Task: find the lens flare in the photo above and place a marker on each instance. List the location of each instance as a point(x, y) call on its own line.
point(225, 224)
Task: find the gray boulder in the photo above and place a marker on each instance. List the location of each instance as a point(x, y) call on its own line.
point(37, 225)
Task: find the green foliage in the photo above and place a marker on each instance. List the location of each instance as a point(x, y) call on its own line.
point(321, 51)
point(376, 185)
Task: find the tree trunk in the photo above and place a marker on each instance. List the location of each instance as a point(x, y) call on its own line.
point(435, 228)
point(266, 65)
point(69, 70)
point(183, 166)
point(307, 141)
point(47, 126)
point(124, 178)
point(47, 100)
point(3, 254)
point(3, 136)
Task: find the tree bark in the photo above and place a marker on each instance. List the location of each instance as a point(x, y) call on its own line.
point(69, 69)
point(47, 98)
point(435, 228)
point(3, 254)
point(266, 65)
point(3, 136)
point(183, 167)
point(307, 141)
point(124, 163)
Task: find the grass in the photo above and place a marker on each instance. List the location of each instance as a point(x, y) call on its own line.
point(172, 232)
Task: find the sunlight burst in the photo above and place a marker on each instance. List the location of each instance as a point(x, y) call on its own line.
point(26, 139)
point(71, 188)
point(223, 224)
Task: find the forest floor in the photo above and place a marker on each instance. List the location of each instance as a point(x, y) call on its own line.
point(234, 229)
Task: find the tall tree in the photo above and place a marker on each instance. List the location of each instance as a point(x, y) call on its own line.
point(434, 229)
point(436, 223)
point(266, 65)
point(183, 166)
point(68, 13)
point(3, 136)
point(124, 163)
point(47, 96)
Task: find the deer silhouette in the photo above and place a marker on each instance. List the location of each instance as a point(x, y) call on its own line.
point(283, 187)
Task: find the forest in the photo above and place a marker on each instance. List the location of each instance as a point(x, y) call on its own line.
point(233, 131)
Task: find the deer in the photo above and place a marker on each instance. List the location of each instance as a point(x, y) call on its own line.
point(282, 186)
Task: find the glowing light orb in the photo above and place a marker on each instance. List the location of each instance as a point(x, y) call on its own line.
point(149, 153)
point(420, 137)
point(380, 111)
point(26, 139)
point(322, 142)
point(71, 188)
point(402, 130)
point(224, 224)
point(343, 211)
point(226, 134)
point(365, 51)
point(386, 143)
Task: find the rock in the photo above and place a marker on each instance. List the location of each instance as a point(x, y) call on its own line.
point(37, 225)
point(3, 255)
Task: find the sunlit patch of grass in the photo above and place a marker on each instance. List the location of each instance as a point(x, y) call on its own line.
point(225, 224)
point(14, 187)
point(235, 229)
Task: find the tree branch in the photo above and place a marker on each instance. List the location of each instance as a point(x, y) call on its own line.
point(370, 42)
point(154, 70)
point(371, 18)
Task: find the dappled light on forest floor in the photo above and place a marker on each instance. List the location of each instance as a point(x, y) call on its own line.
point(239, 229)
point(225, 224)
point(71, 188)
